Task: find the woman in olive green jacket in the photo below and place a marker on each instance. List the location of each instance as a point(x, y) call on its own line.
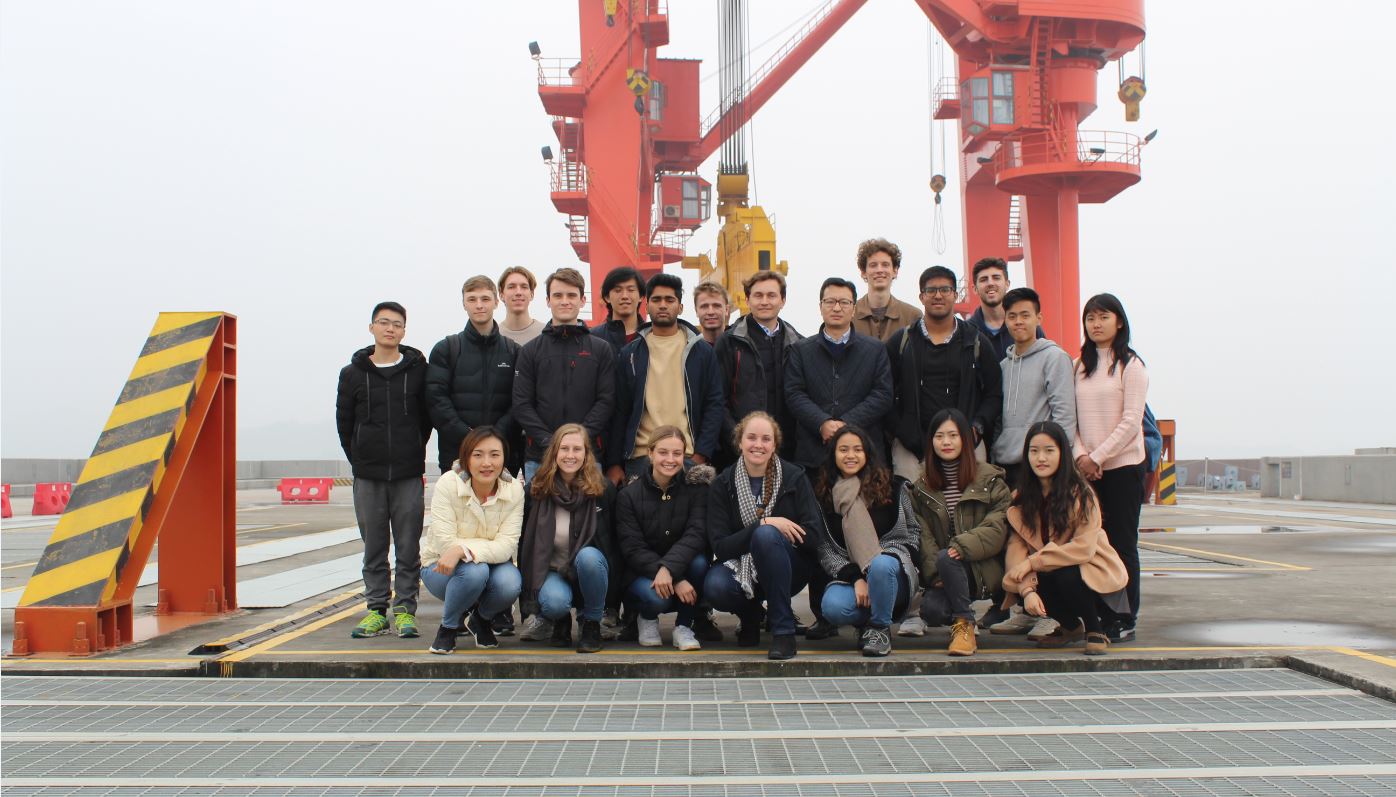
point(960, 505)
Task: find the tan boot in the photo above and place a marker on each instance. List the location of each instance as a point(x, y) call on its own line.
point(962, 640)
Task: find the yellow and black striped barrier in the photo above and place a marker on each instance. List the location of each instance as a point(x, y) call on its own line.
point(1167, 484)
point(103, 523)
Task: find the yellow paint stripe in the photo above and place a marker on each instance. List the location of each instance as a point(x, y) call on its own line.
point(146, 406)
point(1225, 568)
point(81, 521)
point(119, 459)
point(227, 660)
point(309, 610)
point(804, 652)
point(166, 322)
point(70, 576)
point(1362, 654)
point(169, 358)
point(105, 663)
point(1283, 565)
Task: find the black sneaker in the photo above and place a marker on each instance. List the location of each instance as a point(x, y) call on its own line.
point(590, 640)
point(629, 630)
point(705, 629)
point(782, 647)
point(481, 629)
point(749, 631)
point(503, 623)
point(562, 632)
point(875, 641)
point(822, 629)
point(994, 616)
point(445, 641)
point(1119, 632)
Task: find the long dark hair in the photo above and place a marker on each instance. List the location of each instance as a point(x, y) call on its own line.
point(1090, 358)
point(875, 479)
point(1053, 516)
point(965, 466)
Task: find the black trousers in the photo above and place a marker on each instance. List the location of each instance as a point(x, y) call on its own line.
point(1067, 598)
point(1121, 494)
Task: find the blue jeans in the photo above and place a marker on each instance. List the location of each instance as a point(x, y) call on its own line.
point(556, 597)
point(642, 598)
point(888, 592)
point(488, 588)
point(781, 572)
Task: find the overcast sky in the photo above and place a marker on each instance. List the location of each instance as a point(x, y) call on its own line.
point(295, 162)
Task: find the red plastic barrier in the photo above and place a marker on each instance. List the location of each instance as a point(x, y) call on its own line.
point(5, 510)
point(305, 491)
point(51, 498)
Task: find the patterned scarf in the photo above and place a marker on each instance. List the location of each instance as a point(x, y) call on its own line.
point(752, 514)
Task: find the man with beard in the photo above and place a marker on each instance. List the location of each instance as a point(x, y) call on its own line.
point(990, 275)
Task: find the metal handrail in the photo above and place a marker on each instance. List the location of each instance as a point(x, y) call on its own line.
point(569, 176)
point(1091, 147)
point(947, 89)
point(556, 71)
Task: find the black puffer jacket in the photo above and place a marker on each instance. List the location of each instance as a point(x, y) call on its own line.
point(477, 389)
point(729, 537)
point(381, 414)
point(564, 376)
point(663, 528)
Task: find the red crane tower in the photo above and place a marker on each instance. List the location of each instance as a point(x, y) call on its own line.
point(627, 124)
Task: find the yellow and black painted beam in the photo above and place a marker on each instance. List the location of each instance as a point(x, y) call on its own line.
point(1167, 484)
point(94, 536)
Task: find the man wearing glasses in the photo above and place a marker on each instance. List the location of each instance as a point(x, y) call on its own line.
point(383, 426)
point(837, 377)
point(937, 363)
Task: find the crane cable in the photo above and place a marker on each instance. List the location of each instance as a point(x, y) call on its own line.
point(937, 183)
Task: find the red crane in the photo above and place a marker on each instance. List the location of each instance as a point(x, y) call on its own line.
point(627, 124)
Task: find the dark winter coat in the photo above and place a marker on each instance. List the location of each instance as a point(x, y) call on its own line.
point(382, 416)
point(613, 332)
point(603, 540)
point(981, 528)
point(854, 386)
point(702, 389)
point(743, 378)
point(729, 537)
point(981, 384)
point(563, 376)
point(476, 389)
point(663, 527)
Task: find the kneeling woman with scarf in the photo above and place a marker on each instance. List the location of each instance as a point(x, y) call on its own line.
point(763, 525)
point(871, 545)
point(567, 539)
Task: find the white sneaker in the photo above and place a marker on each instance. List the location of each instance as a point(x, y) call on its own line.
point(912, 626)
point(649, 633)
point(684, 638)
point(537, 629)
point(1018, 622)
point(1042, 628)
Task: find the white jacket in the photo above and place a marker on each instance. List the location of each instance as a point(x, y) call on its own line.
point(488, 531)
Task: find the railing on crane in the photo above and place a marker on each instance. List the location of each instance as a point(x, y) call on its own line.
point(1092, 147)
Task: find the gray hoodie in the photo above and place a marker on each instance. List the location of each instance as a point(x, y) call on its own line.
point(1039, 386)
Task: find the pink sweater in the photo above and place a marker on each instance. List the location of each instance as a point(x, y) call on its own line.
point(1110, 412)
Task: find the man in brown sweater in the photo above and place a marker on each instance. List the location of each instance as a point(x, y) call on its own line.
point(878, 314)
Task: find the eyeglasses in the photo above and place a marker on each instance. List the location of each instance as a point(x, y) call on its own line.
point(840, 303)
point(388, 323)
point(943, 290)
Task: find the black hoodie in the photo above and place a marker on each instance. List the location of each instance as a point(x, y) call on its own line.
point(382, 416)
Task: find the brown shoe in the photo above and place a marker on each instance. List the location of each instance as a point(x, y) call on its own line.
point(962, 641)
point(1060, 638)
point(1097, 644)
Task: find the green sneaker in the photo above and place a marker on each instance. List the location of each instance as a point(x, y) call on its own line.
point(404, 621)
point(373, 624)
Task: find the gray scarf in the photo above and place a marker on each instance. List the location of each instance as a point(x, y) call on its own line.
point(752, 514)
point(859, 533)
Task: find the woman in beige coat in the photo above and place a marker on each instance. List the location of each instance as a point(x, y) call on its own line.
point(1059, 559)
point(468, 551)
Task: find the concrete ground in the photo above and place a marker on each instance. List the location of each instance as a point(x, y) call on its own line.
point(1230, 580)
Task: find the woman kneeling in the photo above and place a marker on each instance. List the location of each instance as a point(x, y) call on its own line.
point(870, 542)
point(566, 539)
point(468, 551)
point(1059, 558)
point(661, 533)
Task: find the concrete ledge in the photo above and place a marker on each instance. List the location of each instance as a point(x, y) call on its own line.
point(1377, 680)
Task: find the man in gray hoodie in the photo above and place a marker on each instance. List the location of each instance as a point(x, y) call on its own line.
point(1038, 384)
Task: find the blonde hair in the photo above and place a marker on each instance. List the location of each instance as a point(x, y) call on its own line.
point(479, 282)
point(754, 416)
point(714, 288)
point(588, 478)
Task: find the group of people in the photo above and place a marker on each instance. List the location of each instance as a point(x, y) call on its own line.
point(902, 463)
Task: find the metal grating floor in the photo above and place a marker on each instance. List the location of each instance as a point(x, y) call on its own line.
point(1196, 733)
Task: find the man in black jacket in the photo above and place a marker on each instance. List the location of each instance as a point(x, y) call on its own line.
point(565, 375)
point(937, 363)
point(752, 356)
point(470, 377)
point(381, 414)
point(837, 377)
